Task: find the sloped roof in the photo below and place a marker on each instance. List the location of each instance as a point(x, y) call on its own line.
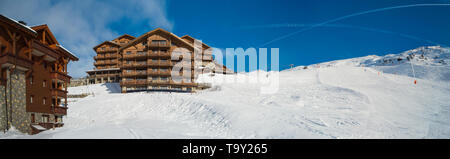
point(190, 38)
point(71, 55)
point(45, 28)
point(105, 42)
point(16, 24)
point(126, 36)
point(157, 30)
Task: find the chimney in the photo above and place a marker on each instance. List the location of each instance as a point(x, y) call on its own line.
point(22, 22)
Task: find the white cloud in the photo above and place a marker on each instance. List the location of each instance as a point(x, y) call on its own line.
point(81, 24)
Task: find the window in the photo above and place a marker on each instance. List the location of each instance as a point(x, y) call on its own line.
point(31, 80)
point(31, 99)
point(163, 78)
point(103, 48)
point(45, 119)
point(154, 78)
point(44, 100)
point(44, 83)
point(140, 52)
point(155, 51)
point(163, 69)
point(144, 43)
point(128, 52)
point(155, 61)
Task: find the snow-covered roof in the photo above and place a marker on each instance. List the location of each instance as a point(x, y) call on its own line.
point(60, 46)
point(38, 127)
point(20, 24)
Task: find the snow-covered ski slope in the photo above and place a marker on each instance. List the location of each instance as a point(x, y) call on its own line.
point(334, 101)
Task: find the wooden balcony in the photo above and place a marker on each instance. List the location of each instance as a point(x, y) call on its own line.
point(160, 45)
point(60, 110)
point(9, 60)
point(134, 65)
point(158, 73)
point(99, 63)
point(134, 82)
point(135, 56)
point(60, 76)
point(131, 74)
point(159, 63)
point(171, 82)
point(159, 54)
point(58, 92)
point(107, 50)
point(110, 62)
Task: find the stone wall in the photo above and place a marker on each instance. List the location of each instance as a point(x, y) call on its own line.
point(16, 101)
point(2, 109)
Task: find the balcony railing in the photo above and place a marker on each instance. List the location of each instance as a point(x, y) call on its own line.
point(133, 82)
point(60, 76)
point(159, 63)
point(161, 73)
point(58, 92)
point(107, 50)
point(158, 44)
point(128, 65)
point(170, 82)
point(143, 73)
point(59, 110)
point(140, 55)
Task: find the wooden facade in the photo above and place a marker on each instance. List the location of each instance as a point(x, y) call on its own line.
point(107, 61)
point(145, 63)
point(31, 58)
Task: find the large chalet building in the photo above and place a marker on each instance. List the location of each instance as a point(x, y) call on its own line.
point(33, 77)
point(145, 64)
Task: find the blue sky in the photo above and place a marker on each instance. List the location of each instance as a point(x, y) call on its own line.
point(80, 25)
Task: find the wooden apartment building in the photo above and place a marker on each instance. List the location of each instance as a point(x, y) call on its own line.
point(33, 77)
point(145, 63)
point(107, 61)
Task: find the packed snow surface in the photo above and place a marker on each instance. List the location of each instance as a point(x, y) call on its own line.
point(340, 99)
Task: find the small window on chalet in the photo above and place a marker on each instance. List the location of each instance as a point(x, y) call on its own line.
point(45, 119)
point(103, 48)
point(128, 52)
point(122, 42)
point(144, 43)
point(44, 100)
point(31, 99)
point(31, 80)
point(44, 83)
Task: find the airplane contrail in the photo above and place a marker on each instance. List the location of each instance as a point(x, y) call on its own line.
point(349, 16)
point(344, 26)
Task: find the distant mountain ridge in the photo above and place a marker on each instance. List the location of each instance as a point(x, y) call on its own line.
point(429, 62)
